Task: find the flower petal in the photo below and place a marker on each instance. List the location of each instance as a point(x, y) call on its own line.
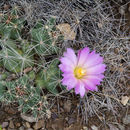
point(66, 61)
point(82, 56)
point(70, 54)
point(89, 85)
point(80, 88)
point(68, 74)
point(92, 60)
point(95, 79)
point(65, 68)
point(82, 91)
point(97, 69)
point(70, 82)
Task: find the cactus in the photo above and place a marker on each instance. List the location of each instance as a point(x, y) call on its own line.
point(15, 60)
point(49, 77)
point(22, 91)
point(43, 39)
point(11, 26)
point(4, 75)
point(31, 75)
point(17, 54)
point(7, 93)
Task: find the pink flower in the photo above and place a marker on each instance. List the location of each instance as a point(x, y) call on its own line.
point(82, 72)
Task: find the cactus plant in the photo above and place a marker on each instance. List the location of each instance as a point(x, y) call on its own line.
point(18, 53)
point(49, 77)
point(43, 38)
point(15, 60)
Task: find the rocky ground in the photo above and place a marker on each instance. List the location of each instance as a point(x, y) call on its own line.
point(64, 119)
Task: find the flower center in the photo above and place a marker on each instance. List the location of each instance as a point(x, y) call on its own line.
point(79, 72)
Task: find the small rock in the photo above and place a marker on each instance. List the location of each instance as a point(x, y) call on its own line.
point(4, 124)
point(11, 124)
point(71, 121)
point(17, 124)
point(29, 129)
point(39, 124)
point(11, 110)
point(85, 128)
point(54, 116)
point(67, 105)
point(94, 127)
point(48, 112)
point(21, 128)
point(126, 120)
point(27, 125)
point(9, 129)
point(124, 100)
point(28, 118)
point(58, 124)
point(66, 118)
point(9, 118)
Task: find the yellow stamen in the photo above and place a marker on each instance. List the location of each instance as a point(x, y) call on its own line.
point(79, 72)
